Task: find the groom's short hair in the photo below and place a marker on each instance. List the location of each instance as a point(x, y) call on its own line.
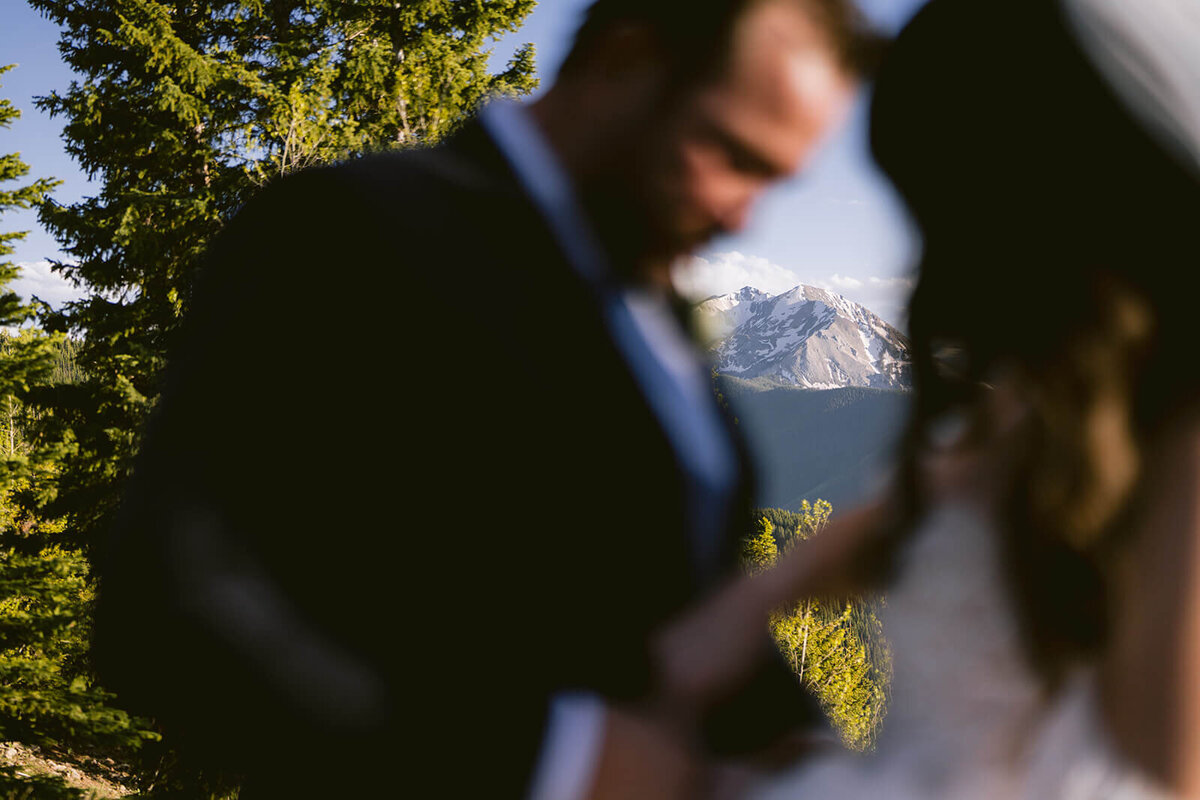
point(696, 35)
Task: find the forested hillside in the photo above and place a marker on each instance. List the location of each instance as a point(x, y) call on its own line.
point(835, 645)
point(832, 444)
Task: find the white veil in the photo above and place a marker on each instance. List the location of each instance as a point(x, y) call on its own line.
point(1149, 52)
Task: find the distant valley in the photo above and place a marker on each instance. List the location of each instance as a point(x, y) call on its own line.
point(833, 444)
point(819, 386)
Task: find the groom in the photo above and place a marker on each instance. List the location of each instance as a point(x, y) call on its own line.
point(431, 526)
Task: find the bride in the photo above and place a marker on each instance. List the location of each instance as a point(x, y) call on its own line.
point(1041, 549)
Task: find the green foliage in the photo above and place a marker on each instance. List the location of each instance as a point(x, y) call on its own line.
point(834, 645)
point(812, 518)
point(46, 695)
point(793, 526)
point(12, 312)
point(181, 111)
point(837, 650)
point(760, 551)
point(66, 363)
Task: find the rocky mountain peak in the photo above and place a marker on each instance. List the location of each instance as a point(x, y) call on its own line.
point(807, 336)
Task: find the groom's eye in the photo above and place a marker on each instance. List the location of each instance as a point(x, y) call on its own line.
point(747, 163)
point(738, 156)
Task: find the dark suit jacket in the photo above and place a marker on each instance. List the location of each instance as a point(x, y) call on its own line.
point(401, 489)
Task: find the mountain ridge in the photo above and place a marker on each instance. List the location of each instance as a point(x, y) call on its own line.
point(806, 337)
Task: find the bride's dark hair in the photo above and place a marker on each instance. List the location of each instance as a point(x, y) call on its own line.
point(1056, 232)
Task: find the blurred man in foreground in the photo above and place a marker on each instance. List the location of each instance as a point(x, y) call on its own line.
point(440, 534)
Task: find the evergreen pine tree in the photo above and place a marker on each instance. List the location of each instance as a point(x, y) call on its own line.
point(181, 110)
point(834, 645)
point(813, 518)
point(46, 696)
point(760, 550)
point(823, 642)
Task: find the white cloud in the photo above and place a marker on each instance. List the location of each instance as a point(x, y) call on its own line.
point(892, 284)
point(842, 282)
point(720, 273)
point(36, 278)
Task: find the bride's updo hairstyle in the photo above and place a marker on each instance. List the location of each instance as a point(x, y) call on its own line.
point(1059, 216)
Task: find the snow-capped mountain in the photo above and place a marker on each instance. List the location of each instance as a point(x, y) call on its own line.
point(720, 315)
point(806, 337)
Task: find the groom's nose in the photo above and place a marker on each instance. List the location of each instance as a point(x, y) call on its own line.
point(735, 217)
point(731, 209)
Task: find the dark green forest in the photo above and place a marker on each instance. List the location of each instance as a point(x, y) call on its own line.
point(179, 112)
point(817, 444)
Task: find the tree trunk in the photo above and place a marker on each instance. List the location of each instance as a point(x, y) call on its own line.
point(804, 647)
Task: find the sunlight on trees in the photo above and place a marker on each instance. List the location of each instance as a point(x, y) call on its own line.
point(834, 645)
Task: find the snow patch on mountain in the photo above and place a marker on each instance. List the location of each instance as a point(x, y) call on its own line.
point(720, 314)
point(807, 336)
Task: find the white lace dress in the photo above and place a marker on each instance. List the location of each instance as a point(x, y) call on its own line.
point(967, 717)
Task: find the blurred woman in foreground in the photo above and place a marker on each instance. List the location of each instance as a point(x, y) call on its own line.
point(1045, 543)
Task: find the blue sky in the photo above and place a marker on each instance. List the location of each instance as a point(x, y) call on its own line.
point(838, 225)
